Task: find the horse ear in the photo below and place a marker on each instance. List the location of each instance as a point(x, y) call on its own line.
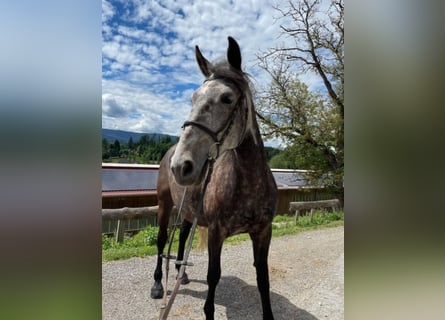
point(234, 54)
point(202, 62)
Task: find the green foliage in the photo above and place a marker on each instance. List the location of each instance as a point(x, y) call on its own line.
point(105, 149)
point(286, 225)
point(281, 161)
point(140, 245)
point(282, 218)
point(145, 237)
point(320, 219)
point(151, 150)
point(270, 152)
point(107, 242)
point(146, 150)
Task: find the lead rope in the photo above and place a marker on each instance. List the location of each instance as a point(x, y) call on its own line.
point(169, 256)
point(165, 308)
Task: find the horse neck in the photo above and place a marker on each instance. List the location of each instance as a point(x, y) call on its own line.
point(251, 150)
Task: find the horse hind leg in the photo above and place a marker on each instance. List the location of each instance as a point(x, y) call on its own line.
point(183, 235)
point(261, 242)
point(165, 207)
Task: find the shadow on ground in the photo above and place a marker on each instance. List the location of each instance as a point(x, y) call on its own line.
point(242, 301)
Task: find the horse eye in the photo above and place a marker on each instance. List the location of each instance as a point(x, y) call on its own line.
point(226, 99)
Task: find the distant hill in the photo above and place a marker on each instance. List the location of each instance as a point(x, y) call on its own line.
point(123, 136)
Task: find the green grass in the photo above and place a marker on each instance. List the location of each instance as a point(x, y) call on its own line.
point(144, 243)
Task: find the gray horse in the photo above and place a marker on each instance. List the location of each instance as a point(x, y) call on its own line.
point(240, 196)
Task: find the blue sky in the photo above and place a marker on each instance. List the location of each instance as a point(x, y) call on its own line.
point(148, 64)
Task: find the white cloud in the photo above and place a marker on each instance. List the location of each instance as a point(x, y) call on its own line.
point(107, 10)
point(148, 54)
point(134, 108)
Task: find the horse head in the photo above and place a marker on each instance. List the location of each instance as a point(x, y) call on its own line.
point(220, 117)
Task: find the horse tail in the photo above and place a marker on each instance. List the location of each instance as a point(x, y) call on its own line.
point(202, 238)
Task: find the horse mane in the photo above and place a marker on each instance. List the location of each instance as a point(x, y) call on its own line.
point(223, 70)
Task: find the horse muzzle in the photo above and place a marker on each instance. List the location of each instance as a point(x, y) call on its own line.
point(186, 172)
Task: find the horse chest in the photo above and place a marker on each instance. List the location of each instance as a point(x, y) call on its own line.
point(236, 205)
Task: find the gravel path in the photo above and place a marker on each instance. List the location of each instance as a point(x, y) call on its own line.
point(306, 280)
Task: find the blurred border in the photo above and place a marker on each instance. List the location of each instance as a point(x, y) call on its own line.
point(394, 160)
point(50, 121)
point(50, 142)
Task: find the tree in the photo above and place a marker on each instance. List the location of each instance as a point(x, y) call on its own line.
point(115, 148)
point(130, 143)
point(105, 149)
point(281, 161)
point(310, 122)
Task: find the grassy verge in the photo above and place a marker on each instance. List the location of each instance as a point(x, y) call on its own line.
point(144, 243)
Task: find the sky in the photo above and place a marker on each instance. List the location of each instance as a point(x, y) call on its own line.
point(148, 58)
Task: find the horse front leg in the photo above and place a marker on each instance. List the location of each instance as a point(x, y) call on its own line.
point(261, 242)
point(157, 291)
point(183, 235)
point(215, 242)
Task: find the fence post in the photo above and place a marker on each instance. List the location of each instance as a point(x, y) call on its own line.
point(312, 214)
point(297, 215)
point(119, 235)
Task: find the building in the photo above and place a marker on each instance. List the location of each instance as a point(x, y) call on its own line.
point(134, 185)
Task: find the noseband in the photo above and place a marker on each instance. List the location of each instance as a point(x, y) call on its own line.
point(224, 131)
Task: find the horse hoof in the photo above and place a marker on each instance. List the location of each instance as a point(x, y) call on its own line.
point(184, 279)
point(157, 292)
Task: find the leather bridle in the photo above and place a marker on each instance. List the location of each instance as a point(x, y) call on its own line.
point(220, 135)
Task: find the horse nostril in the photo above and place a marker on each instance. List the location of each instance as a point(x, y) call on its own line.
point(187, 168)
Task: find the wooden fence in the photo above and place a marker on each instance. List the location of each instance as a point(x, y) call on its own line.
point(298, 208)
point(123, 217)
point(139, 222)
